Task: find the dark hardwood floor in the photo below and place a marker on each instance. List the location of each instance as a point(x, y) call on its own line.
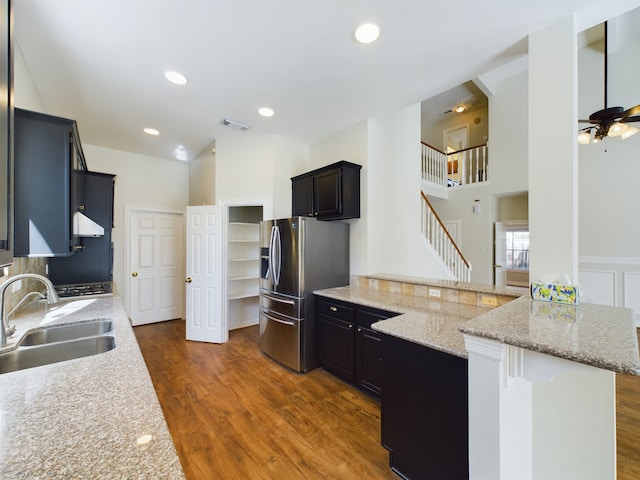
point(235, 414)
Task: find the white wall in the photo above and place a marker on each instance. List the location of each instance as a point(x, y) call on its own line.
point(396, 244)
point(351, 145)
point(143, 182)
point(202, 177)
point(258, 169)
point(24, 91)
point(609, 172)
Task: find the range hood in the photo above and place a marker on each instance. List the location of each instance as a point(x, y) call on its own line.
point(83, 226)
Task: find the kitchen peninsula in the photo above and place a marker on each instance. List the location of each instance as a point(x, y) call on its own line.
point(95, 417)
point(541, 384)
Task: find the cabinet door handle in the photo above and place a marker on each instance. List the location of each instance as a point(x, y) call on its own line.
point(134, 274)
point(333, 309)
point(359, 330)
point(350, 326)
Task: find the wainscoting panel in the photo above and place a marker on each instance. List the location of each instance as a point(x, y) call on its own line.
point(611, 281)
point(598, 287)
point(632, 291)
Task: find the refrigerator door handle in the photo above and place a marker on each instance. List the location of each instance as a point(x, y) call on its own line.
point(277, 256)
point(270, 273)
point(278, 320)
point(288, 302)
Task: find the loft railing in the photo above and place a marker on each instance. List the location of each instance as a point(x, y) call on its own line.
point(463, 167)
point(437, 235)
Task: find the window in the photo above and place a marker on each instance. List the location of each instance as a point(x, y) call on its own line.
point(517, 249)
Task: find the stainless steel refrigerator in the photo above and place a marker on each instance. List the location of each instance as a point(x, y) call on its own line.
point(297, 256)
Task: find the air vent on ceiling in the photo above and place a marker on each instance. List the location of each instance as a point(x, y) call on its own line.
point(235, 124)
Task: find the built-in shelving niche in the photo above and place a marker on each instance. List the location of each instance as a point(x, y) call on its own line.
point(243, 265)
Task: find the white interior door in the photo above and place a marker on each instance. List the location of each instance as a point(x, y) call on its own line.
point(155, 266)
point(499, 254)
point(204, 275)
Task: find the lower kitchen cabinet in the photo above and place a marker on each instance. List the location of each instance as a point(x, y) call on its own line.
point(348, 347)
point(424, 411)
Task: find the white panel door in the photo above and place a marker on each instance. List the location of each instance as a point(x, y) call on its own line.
point(156, 253)
point(499, 254)
point(204, 275)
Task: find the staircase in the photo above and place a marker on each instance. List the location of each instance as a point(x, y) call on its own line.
point(437, 235)
point(440, 173)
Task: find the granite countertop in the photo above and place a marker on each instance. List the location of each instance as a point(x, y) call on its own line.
point(432, 323)
point(84, 418)
point(596, 335)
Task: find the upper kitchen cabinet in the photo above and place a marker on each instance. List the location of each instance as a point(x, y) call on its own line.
point(6, 129)
point(49, 190)
point(328, 193)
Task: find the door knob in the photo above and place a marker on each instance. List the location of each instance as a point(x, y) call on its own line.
point(188, 280)
point(134, 274)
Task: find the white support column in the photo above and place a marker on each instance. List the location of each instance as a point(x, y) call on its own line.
point(538, 417)
point(553, 151)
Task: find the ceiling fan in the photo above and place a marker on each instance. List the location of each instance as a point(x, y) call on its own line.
point(610, 121)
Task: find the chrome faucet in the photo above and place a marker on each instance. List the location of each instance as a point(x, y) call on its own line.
point(52, 297)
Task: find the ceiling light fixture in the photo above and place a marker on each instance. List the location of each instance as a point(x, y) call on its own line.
point(180, 153)
point(175, 77)
point(460, 108)
point(151, 131)
point(266, 112)
point(367, 33)
point(235, 124)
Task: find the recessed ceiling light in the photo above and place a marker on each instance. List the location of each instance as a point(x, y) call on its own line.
point(175, 77)
point(459, 109)
point(266, 111)
point(367, 33)
point(151, 131)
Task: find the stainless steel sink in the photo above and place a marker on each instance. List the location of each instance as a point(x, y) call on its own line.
point(67, 332)
point(29, 357)
point(59, 343)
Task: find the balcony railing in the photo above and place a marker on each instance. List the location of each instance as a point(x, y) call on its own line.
point(464, 167)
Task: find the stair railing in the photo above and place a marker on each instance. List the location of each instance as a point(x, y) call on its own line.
point(437, 235)
point(463, 167)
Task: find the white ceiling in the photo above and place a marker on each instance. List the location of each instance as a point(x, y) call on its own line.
point(102, 63)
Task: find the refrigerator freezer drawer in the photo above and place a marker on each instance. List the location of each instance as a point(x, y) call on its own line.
point(284, 304)
point(280, 338)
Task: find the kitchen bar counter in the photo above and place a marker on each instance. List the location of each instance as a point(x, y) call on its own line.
point(596, 335)
point(429, 322)
point(88, 417)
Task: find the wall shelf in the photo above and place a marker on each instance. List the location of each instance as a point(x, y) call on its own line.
point(243, 265)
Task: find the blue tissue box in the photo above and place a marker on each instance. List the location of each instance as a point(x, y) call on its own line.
point(556, 292)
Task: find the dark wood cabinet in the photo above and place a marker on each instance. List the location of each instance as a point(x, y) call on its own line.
point(49, 186)
point(336, 338)
point(368, 354)
point(94, 261)
point(6, 132)
point(349, 348)
point(328, 193)
point(424, 411)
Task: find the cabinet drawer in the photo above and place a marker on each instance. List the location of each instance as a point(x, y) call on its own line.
point(335, 310)
point(364, 318)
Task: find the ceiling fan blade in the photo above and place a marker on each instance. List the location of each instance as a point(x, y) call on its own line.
point(632, 119)
point(632, 111)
